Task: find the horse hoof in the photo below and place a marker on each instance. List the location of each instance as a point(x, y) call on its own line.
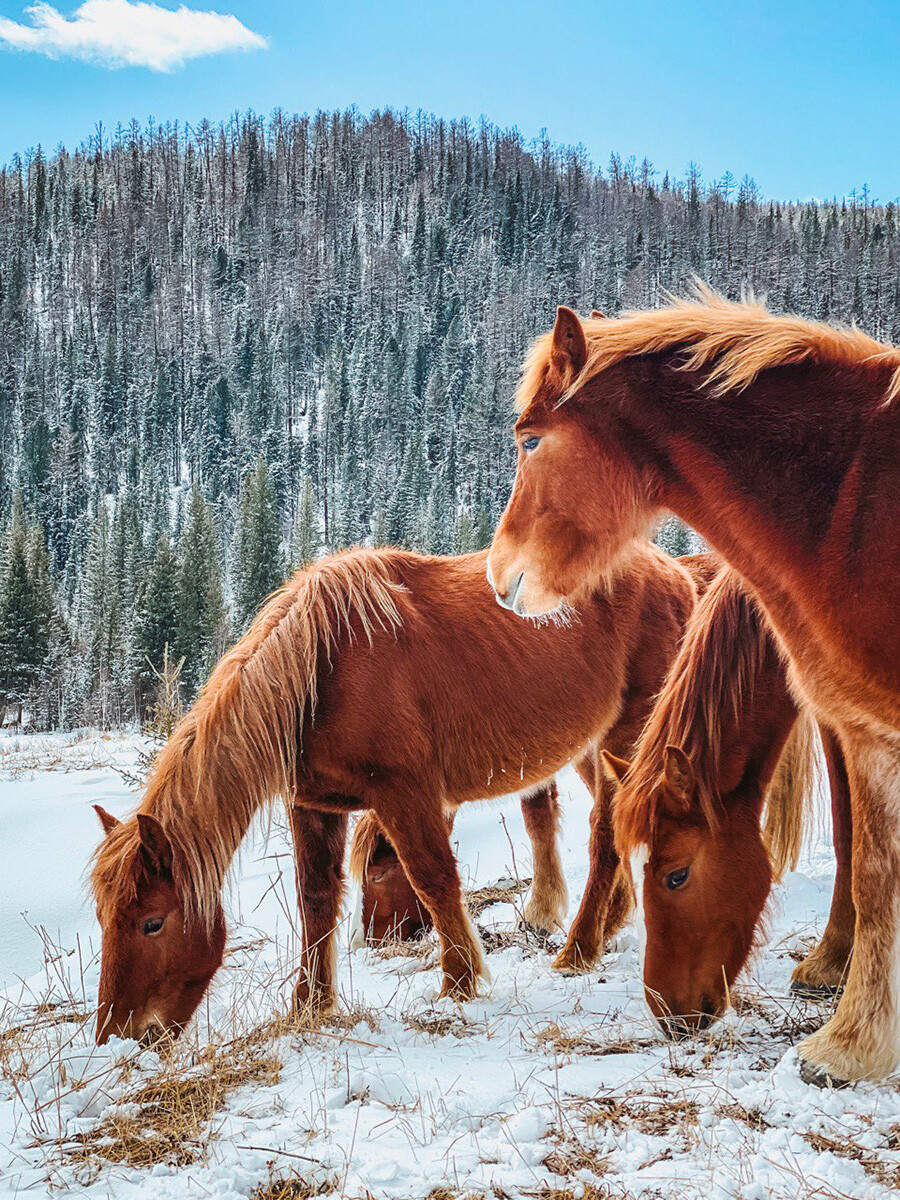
point(568, 966)
point(822, 992)
point(818, 1076)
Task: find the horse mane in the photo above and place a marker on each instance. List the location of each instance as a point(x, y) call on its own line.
point(790, 794)
point(711, 679)
point(366, 837)
point(737, 339)
point(238, 746)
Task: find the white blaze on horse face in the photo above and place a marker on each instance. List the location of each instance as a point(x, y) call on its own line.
point(638, 860)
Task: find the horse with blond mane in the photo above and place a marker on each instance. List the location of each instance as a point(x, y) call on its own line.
point(778, 439)
point(703, 775)
point(381, 680)
point(687, 815)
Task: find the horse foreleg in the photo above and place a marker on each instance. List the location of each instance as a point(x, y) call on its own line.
point(823, 971)
point(548, 901)
point(607, 895)
point(319, 841)
point(862, 1039)
point(421, 839)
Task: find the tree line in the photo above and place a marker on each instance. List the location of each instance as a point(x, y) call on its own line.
point(225, 349)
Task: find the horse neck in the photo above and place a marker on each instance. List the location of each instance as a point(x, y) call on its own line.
point(768, 476)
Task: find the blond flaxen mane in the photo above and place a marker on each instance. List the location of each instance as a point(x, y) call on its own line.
point(735, 340)
point(238, 746)
point(710, 684)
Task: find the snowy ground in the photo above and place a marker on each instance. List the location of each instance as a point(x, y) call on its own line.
point(549, 1087)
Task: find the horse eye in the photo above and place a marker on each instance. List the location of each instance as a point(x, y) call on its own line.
point(153, 925)
point(530, 443)
point(676, 879)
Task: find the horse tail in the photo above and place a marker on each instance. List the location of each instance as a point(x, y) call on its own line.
point(790, 794)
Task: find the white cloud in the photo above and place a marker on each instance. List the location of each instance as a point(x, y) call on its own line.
point(125, 33)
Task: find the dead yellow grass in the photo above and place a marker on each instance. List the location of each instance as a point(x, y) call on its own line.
point(293, 1187)
point(478, 899)
point(887, 1174)
point(554, 1037)
point(168, 1119)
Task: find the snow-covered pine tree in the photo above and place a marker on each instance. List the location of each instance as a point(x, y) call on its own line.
point(257, 565)
point(201, 616)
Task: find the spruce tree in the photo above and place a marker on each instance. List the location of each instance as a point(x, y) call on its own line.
point(257, 564)
point(24, 623)
point(305, 537)
point(201, 615)
point(157, 621)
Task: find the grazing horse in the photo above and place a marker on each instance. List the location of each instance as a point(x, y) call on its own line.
point(687, 815)
point(389, 908)
point(778, 439)
point(727, 646)
point(382, 680)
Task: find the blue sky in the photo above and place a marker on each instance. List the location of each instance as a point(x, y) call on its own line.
point(803, 96)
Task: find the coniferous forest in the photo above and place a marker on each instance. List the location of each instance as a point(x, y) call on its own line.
point(228, 348)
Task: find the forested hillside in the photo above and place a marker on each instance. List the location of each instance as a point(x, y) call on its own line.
point(227, 348)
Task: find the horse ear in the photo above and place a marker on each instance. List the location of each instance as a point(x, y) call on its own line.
point(679, 774)
point(155, 845)
point(597, 315)
point(569, 342)
point(107, 820)
point(615, 768)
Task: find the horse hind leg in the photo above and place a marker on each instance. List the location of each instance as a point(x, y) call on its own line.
point(420, 836)
point(823, 971)
point(548, 900)
point(319, 842)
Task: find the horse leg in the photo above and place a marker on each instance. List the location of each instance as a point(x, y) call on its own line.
point(824, 969)
point(423, 845)
point(862, 1039)
point(607, 895)
point(319, 841)
point(548, 900)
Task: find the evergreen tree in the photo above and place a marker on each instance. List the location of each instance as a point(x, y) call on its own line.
point(257, 564)
point(201, 623)
point(305, 539)
point(24, 617)
point(157, 620)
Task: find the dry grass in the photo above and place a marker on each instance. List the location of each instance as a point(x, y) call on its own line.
point(585, 1191)
point(572, 1156)
point(657, 1117)
point(564, 1042)
point(293, 1187)
point(440, 1025)
point(887, 1174)
point(168, 1119)
point(478, 899)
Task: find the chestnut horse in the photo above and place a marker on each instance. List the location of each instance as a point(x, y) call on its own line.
point(778, 439)
point(389, 908)
point(382, 680)
point(727, 654)
point(688, 812)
